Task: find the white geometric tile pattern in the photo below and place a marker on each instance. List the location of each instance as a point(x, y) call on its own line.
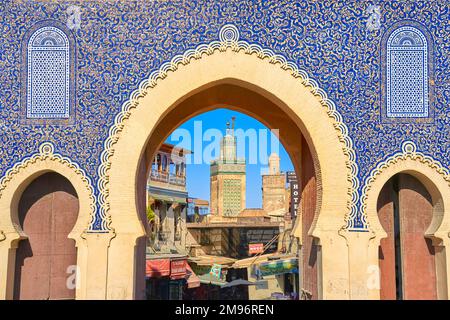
point(407, 74)
point(48, 74)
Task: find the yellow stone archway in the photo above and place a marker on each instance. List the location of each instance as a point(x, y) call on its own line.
point(436, 180)
point(229, 61)
point(12, 186)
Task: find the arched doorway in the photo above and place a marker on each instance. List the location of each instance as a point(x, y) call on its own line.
point(407, 257)
point(262, 90)
point(234, 95)
point(47, 212)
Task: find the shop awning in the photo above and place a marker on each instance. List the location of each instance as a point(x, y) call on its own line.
point(208, 260)
point(157, 268)
point(174, 268)
point(247, 262)
point(278, 267)
point(191, 278)
point(209, 279)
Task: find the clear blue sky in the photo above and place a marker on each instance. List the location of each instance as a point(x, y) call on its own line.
point(198, 174)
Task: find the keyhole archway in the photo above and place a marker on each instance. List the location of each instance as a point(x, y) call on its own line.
point(406, 201)
point(48, 211)
point(250, 85)
point(407, 256)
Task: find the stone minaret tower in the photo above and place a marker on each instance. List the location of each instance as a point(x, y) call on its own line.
point(227, 178)
point(273, 185)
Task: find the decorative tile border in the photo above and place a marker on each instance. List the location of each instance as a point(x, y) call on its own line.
point(47, 151)
point(228, 40)
point(409, 151)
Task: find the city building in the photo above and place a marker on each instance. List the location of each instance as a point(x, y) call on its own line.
point(274, 200)
point(227, 178)
point(167, 198)
point(167, 271)
point(197, 209)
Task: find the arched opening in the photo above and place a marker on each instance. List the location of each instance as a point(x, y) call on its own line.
point(409, 261)
point(268, 92)
point(45, 261)
point(241, 97)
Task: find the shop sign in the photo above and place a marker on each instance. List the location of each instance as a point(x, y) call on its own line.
point(254, 248)
point(177, 269)
point(291, 176)
point(216, 270)
point(295, 198)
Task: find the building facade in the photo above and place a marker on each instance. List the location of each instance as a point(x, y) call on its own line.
point(274, 200)
point(227, 179)
point(359, 91)
point(167, 199)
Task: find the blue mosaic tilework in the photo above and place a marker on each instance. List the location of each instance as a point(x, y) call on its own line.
point(120, 43)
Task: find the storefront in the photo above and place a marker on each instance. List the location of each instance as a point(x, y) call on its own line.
point(285, 271)
point(168, 277)
point(275, 276)
point(212, 276)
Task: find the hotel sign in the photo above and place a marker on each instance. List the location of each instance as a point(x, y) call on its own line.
point(291, 178)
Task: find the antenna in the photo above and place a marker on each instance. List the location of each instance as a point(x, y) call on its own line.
point(232, 122)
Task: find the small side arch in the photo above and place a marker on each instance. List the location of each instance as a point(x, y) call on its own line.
point(13, 184)
point(435, 178)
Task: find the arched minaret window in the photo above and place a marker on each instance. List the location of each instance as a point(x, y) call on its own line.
point(48, 74)
point(407, 72)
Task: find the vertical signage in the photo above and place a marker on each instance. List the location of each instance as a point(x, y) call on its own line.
point(291, 178)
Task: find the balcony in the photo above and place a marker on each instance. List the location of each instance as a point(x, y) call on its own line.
point(165, 177)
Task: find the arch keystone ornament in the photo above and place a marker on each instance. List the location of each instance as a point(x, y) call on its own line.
point(12, 185)
point(229, 60)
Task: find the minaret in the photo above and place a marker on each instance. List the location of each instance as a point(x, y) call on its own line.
point(228, 144)
point(273, 187)
point(227, 178)
point(274, 164)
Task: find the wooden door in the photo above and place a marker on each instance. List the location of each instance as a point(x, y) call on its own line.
point(48, 210)
point(418, 258)
point(406, 256)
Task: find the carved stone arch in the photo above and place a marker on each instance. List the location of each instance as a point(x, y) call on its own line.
point(12, 185)
point(229, 61)
point(434, 177)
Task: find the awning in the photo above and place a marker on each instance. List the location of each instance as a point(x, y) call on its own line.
point(191, 278)
point(157, 268)
point(239, 282)
point(208, 260)
point(247, 262)
point(173, 268)
point(209, 279)
point(281, 266)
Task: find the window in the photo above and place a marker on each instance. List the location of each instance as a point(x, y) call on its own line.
point(48, 74)
point(407, 92)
